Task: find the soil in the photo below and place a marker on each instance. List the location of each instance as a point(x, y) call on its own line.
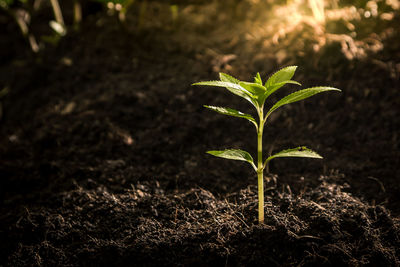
point(103, 140)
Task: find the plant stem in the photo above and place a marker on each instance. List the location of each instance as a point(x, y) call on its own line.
point(260, 168)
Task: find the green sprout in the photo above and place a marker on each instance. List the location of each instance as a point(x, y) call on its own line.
point(257, 93)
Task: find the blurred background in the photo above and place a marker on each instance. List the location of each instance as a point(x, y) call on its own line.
point(78, 77)
point(280, 30)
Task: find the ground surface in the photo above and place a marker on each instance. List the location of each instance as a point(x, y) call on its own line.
point(102, 159)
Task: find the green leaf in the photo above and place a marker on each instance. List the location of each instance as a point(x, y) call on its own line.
point(227, 78)
point(276, 86)
point(258, 79)
point(281, 75)
point(232, 87)
point(257, 90)
point(222, 84)
point(300, 95)
point(263, 97)
point(300, 151)
point(232, 112)
point(254, 88)
point(235, 154)
point(279, 79)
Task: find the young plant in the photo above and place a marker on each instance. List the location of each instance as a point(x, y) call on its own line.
point(257, 93)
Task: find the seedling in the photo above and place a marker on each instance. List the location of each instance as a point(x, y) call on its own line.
point(257, 93)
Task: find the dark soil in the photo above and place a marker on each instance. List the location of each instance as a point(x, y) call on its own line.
point(102, 145)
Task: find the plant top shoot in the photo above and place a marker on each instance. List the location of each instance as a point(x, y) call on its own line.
point(257, 93)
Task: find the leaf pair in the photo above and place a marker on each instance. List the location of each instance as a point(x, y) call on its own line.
point(237, 154)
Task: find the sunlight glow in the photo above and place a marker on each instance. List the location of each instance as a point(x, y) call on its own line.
point(303, 24)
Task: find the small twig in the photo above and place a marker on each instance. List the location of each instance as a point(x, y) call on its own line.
point(289, 190)
point(304, 236)
point(317, 205)
point(379, 182)
point(233, 212)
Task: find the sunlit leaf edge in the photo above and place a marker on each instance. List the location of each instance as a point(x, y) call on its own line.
point(231, 112)
point(234, 154)
point(300, 95)
point(301, 151)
